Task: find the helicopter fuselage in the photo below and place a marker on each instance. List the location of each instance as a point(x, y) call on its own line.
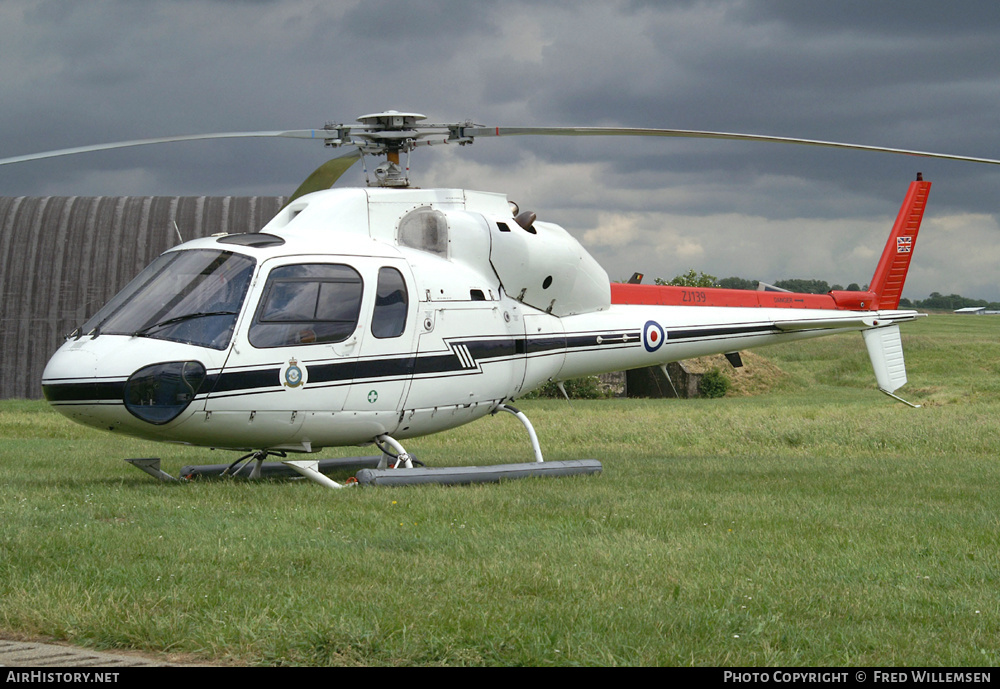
point(358, 313)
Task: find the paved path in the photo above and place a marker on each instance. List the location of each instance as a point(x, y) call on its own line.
point(34, 654)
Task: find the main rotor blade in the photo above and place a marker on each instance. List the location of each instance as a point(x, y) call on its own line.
point(694, 134)
point(291, 134)
point(327, 174)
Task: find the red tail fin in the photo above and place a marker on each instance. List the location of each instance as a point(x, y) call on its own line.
point(887, 283)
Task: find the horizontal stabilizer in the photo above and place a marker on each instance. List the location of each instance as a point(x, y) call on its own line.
point(856, 321)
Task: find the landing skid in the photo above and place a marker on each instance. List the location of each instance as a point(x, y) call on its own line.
point(279, 469)
point(395, 467)
point(151, 466)
point(476, 474)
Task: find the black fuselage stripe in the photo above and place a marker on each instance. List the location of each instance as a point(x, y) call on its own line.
point(447, 362)
point(95, 390)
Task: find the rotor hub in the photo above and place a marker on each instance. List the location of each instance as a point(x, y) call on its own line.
point(391, 120)
point(391, 133)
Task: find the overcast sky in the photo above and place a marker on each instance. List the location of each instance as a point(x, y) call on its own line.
point(916, 75)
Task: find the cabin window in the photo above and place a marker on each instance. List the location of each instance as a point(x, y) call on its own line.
point(389, 316)
point(307, 304)
point(425, 229)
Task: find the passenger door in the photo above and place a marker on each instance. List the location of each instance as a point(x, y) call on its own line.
point(294, 352)
point(386, 339)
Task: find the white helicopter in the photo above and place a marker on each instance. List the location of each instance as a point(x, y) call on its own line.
point(379, 314)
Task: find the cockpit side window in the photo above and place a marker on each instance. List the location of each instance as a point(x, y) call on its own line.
point(391, 299)
point(191, 296)
point(311, 303)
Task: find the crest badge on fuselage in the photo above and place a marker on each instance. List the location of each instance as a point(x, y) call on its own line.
point(293, 375)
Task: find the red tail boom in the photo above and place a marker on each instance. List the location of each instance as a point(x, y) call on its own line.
point(884, 292)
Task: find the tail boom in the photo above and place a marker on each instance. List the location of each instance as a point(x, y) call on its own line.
point(884, 292)
point(668, 295)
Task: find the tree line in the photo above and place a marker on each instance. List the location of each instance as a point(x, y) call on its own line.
point(936, 300)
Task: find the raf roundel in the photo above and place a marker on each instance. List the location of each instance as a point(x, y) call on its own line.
point(652, 336)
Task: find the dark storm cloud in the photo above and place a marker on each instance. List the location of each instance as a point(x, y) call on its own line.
point(433, 24)
point(921, 18)
point(730, 67)
point(917, 75)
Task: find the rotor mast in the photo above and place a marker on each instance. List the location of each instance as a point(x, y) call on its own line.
point(389, 133)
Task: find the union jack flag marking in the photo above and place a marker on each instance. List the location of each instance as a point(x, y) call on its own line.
point(904, 245)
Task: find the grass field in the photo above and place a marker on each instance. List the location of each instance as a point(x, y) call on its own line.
point(820, 524)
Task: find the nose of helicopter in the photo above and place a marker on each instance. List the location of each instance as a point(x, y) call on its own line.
point(109, 383)
point(70, 382)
